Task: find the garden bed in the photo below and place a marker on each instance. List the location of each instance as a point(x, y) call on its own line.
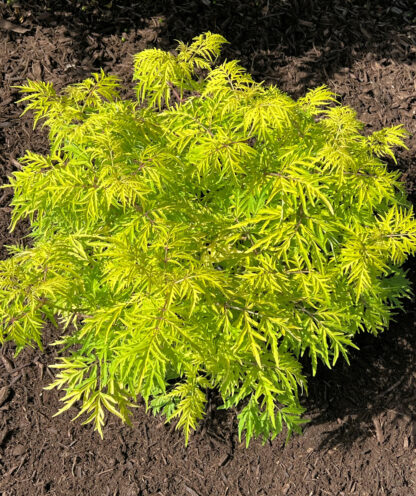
point(361, 436)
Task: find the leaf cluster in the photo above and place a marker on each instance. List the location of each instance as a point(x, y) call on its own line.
point(207, 235)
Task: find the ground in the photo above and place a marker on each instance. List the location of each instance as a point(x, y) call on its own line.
point(361, 436)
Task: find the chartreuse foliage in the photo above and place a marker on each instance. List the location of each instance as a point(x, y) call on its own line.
point(205, 236)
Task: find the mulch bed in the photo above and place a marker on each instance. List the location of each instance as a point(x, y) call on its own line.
point(361, 439)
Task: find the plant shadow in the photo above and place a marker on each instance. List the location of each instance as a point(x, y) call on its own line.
point(377, 388)
point(329, 35)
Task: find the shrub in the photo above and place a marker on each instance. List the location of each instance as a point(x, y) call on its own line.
point(206, 236)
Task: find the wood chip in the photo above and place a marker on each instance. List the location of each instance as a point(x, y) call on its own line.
point(9, 26)
point(223, 460)
point(8, 364)
point(3, 435)
point(4, 394)
point(190, 490)
point(379, 431)
point(18, 450)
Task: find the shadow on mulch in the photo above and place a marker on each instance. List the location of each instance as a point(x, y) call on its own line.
point(379, 383)
point(327, 34)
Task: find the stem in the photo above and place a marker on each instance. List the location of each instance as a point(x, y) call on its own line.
point(175, 93)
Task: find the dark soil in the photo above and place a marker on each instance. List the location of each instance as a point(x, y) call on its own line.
point(361, 439)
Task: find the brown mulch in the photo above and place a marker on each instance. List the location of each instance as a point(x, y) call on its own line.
point(361, 439)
